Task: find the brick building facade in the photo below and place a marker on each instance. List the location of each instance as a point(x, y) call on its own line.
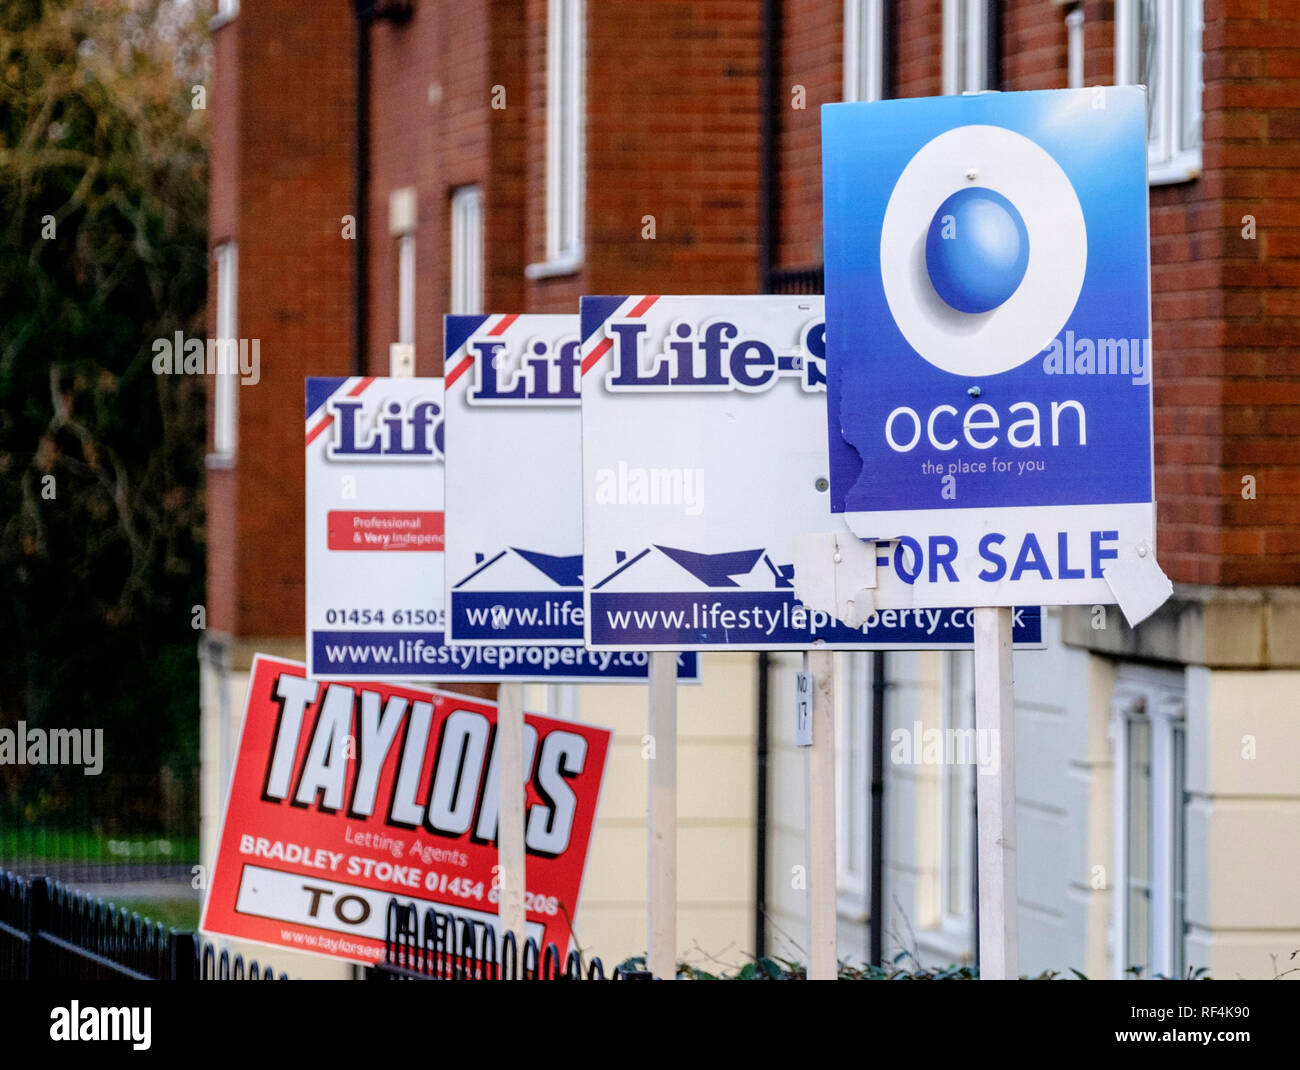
point(698, 122)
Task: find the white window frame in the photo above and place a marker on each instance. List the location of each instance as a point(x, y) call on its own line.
point(554, 700)
point(966, 46)
point(852, 785)
point(406, 289)
point(1074, 48)
point(957, 695)
point(864, 50)
point(1169, 160)
point(565, 138)
point(562, 701)
point(225, 404)
point(1159, 696)
point(226, 10)
point(467, 251)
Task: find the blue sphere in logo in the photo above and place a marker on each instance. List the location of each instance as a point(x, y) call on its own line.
point(976, 250)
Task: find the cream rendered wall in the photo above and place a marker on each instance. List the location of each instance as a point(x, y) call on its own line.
point(1243, 821)
point(912, 816)
point(910, 859)
point(715, 822)
point(787, 816)
point(1063, 810)
point(911, 804)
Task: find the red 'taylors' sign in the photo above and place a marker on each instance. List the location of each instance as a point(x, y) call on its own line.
point(348, 794)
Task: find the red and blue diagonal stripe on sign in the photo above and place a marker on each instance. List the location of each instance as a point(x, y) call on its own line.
point(320, 390)
point(459, 330)
point(637, 307)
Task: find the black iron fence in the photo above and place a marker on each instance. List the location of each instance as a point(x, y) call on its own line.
point(49, 931)
point(443, 947)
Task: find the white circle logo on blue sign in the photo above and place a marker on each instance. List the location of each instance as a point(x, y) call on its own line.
point(982, 250)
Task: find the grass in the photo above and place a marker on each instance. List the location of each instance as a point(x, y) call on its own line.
point(87, 845)
point(173, 913)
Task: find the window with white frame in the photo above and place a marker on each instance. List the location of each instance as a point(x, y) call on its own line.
point(966, 46)
point(225, 424)
point(957, 805)
point(864, 50)
point(467, 251)
point(1158, 44)
point(565, 66)
point(853, 783)
point(1150, 823)
point(227, 9)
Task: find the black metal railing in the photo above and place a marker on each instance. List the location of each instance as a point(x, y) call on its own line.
point(443, 947)
point(49, 931)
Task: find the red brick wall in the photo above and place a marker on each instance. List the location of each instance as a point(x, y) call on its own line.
point(673, 131)
point(672, 92)
point(811, 56)
point(405, 150)
point(1252, 126)
point(918, 48)
point(1033, 46)
point(1225, 327)
point(505, 204)
point(1186, 311)
point(433, 127)
point(291, 179)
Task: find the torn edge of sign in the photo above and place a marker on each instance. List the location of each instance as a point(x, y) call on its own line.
point(1138, 583)
point(835, 573)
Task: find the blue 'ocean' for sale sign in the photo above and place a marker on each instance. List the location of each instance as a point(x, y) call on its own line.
point(988, 338)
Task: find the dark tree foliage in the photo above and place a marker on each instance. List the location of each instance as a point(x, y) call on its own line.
point(103, 205)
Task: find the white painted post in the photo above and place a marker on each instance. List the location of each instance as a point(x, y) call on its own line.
point(996, 797)
point(401, 360)
point(511, 917)
point(661, 817)
point(823, 962)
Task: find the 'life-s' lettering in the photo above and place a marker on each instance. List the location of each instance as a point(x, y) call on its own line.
point(711, 357)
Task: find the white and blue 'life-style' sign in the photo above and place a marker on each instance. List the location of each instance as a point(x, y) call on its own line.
point(514, 492)
point(514, 538)
point(989, 349)
point(704, 456)
point(375, 531)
